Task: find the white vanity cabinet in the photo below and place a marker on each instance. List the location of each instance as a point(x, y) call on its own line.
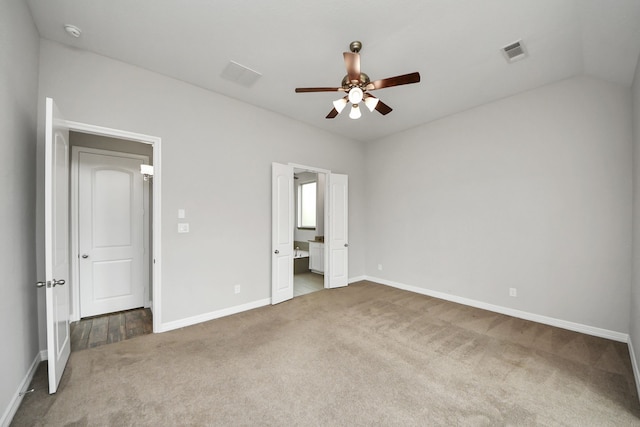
point(316, 257)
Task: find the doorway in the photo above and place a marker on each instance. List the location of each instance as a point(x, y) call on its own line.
point(114, 140)
point(336, 214)
point(110, 223)
point(308, 231)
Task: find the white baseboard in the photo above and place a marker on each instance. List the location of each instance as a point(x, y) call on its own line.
point(176, 324)
point(564, 324)
point(634, 364)
point(44, 355)
point(7, 417)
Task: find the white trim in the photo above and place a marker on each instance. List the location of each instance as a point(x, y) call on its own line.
point(75, 223)
point(564, 324)
point(157, 199)
point(357, 279)
point(634, 365)
point(114, 133)
point(44, 355)
point(205, 317)
point(13, 406)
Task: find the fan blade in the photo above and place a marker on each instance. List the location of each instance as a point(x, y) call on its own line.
point(333, 113)
point(352, 61)
point(404, 79)
point(318, 89)
point(383, 108)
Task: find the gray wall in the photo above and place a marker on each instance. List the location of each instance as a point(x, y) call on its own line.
point(18, 96)
point(216, 164)
point(532, 192)
point(634, 329)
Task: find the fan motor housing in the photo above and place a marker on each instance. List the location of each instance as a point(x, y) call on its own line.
point(347, 84)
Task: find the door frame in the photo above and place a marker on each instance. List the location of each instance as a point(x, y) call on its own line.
point(327, 225)
point(156, 252)
point(75, 224)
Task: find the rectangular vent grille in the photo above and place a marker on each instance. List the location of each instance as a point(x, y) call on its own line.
point(514, 51)
point(240, 74)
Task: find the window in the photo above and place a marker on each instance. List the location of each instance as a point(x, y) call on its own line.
point(307, 205)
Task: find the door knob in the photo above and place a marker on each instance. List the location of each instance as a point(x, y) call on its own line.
point(51, 284)
point(85, 256)
point(276, 252)
point(346, 245)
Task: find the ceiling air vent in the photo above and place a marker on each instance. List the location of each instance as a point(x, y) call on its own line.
point(514, 51)
point(240, 74)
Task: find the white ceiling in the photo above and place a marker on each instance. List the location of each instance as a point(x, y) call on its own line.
point(454, 44)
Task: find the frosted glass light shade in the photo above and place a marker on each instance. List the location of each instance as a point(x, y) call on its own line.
point(355, 95)
point(371, 103)
point(339, 104)
point(355, 112)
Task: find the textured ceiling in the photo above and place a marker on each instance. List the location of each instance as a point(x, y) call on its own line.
point(454, 44)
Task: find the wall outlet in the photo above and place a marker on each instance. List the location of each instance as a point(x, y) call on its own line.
point(380, 267)
point(236, 289)
point(183, 227)
point(513, 292)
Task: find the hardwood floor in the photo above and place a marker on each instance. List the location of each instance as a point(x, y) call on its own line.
point(109, 328)
point(305, 283)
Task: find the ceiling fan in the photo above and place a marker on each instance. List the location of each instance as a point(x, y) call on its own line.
point(357, 84)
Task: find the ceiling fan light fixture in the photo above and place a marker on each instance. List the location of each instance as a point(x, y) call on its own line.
point(355, 95)
point(357, 85)
point(371, 102)
point(355, 112)
point(339, 104)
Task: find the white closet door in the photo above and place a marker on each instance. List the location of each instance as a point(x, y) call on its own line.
point(111, 233)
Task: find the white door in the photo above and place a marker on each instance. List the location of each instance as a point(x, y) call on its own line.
point(56, 229)
point(338, 248)
point(111, 233)
point(281, 233)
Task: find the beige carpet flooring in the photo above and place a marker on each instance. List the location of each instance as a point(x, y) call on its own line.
point(362, 355)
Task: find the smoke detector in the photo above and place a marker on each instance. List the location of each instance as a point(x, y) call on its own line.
point(72, 30)
point(514, 52)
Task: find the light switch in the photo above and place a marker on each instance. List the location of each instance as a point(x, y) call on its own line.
point(183, 227)
point(181, 214)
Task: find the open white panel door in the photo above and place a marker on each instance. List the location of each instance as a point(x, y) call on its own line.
point(56, 228)
point(338, 251)
point(281, 233)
